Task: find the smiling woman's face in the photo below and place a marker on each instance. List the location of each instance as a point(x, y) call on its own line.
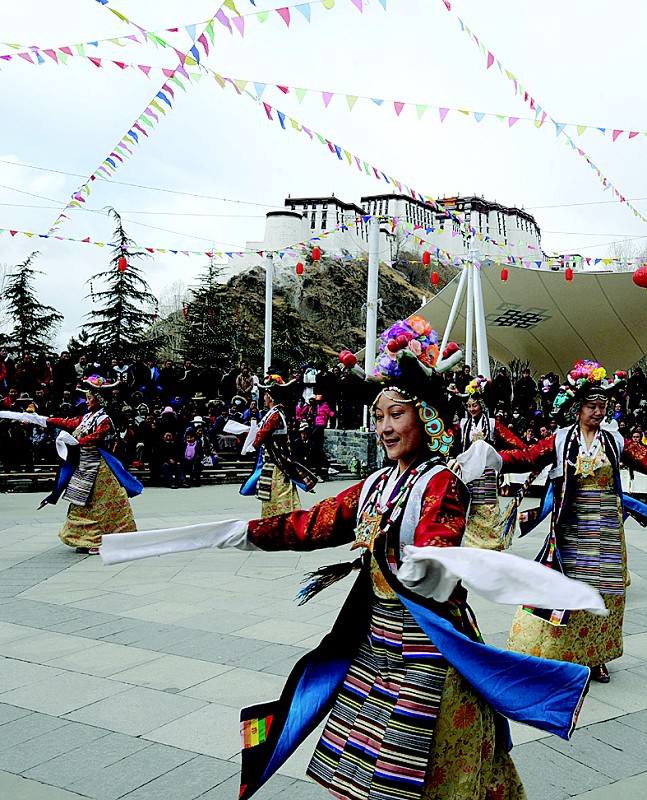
point(398, 428)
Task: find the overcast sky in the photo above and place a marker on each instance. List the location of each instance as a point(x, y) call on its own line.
point(582, 60)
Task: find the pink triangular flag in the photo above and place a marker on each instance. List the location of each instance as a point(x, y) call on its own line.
point(27, 57)
point(51, 54)
point(359, 4)
point(632, 134)
point(490, 60)
point(284, 13)
point(327, 97)
point(398, 107)
point(95, 61)
point(144, 68)
point(239, 24)
point(443, 111)
point(168, 72)
point(268, 111)
point(66, 50)
point(615, 135)
point(512, 120)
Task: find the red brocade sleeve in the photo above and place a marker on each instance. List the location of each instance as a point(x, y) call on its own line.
point(531, 458)
point(505, 439)
point(329, 523)
point(442, 522)
point(634, 456)
point(64, 423)
point(267, 430)
point(95, 438)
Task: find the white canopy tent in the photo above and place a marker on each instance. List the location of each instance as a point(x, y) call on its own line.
point(537, 316)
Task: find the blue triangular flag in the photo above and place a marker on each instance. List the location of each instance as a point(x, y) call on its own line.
point(163, 97)
point(304, 9)
point(281, 117)
point(260, 88)
point(190, 29)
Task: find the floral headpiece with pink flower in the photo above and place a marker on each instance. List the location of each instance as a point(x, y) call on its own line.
point(415, 336)
point(477, 386)
point(94, 384)
point(588, 381)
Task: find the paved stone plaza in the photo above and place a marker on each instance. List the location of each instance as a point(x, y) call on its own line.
point(126, 681)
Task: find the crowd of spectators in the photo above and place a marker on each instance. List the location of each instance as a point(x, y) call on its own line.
point(526, 405)
point(168, 417)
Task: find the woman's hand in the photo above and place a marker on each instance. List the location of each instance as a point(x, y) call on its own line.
point(454, 466)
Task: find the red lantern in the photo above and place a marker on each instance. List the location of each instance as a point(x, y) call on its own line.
point(504, 274)
point(426, 258)
point(299, 268)
point(435, 278)
point(122, 264)
point(316, 254)
point(640, 276)
point(568, 274)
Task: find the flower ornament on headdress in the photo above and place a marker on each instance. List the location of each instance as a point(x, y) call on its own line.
point(477, 386)
point(95, 383)
point(587, 381)
point(410, 363)
point(273, 380)
point(414, 335)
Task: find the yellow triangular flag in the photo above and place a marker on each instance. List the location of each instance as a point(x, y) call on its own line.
point(241, 84)
point(351, 99)
point(581, 129)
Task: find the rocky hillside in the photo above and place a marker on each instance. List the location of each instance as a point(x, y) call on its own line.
point(321, 312)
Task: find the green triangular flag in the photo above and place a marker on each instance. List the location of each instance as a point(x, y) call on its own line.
point(420, 110)
point(300, 94)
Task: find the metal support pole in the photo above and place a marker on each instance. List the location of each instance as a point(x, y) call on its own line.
point(371, 300)
point(482, 354)
point(269, 278)
point(469, 315)
point(371, 292)
point(454, 309)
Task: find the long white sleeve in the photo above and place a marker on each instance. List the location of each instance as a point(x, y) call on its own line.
point(500, 577)
point(118, 547)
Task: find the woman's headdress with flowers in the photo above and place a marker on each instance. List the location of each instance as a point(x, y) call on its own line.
point(587, 381)
point(477, 387)
point(410, 362)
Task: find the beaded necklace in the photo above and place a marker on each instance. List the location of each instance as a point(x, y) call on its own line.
point(369, 527)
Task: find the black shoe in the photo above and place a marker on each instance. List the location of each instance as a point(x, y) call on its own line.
point(600, 673)
point(83, 550)
point(174, 486)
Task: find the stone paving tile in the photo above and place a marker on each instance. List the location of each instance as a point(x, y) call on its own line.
point(135, 710)
point(122, 778)
point(64, 770)
point(278, 786)
point(196, 731)
point(26, 728)
point(44, 647)
point(592, 750)
point(237, 688)
point(102, 659)
point(272, 658)
point(62, 693)
point(10, 713)
point(171, 673)
point(43, 748)
point(15, 673)
point(16, 787)
point(189, 781)
point(222, 648)
point(565, 773)
point(638, 720)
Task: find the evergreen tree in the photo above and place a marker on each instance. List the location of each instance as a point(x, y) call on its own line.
point(33, 323)
point(122, 324)
point(210, 319)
